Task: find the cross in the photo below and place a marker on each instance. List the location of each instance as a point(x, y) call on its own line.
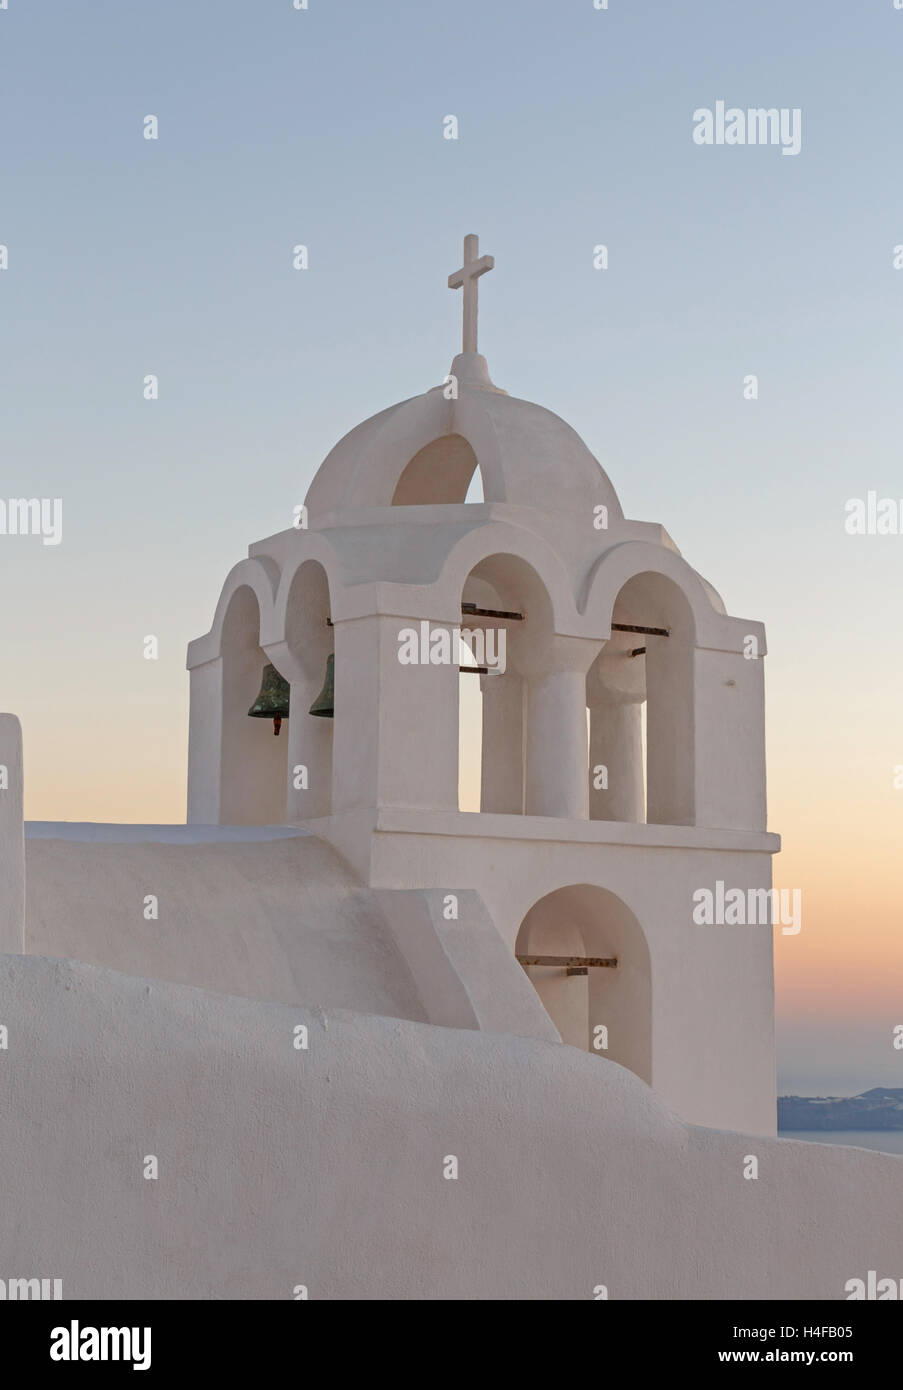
point(466, 278)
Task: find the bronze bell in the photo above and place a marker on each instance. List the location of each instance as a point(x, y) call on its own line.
point(324, 704)
point(273, 700)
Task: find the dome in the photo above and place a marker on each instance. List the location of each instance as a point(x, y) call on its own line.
point(424, 450)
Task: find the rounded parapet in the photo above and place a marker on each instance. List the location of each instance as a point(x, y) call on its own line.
point(261, 575)
point(525, 454)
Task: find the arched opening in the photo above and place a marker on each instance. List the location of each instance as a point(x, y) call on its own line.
point(506, 624)
point(253, 761)
point(639, 695)
point(475, 493)
point(309, 639)
point(608, 1009)
point(444, 471)
point(470, 728)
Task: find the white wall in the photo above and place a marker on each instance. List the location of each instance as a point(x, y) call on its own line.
point(280, 1167)
point(712, 987)
point(280, 919)
point(12, 849)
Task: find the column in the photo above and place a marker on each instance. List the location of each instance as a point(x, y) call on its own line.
point(205, 725)
point(309, 755)
point(309, 738)
point(12, 838)
point(729, 711)
point(502, 773)
point(616, 743)
point(670, 730)
point(396, 725)
point(252, 758)
point(557, 775)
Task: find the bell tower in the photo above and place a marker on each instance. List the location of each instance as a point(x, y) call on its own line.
point(622, 731)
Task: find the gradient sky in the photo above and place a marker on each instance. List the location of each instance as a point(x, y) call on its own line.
point(324, 126)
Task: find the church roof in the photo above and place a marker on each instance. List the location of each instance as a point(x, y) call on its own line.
point(526, 454)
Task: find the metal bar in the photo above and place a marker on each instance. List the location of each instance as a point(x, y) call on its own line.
point(571, 962)
point(636, 627)
point(473, 611)
point(638, 651)
point(473, 670)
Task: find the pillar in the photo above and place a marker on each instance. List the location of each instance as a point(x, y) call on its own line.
point(12, 838)
point(309, 739)
point(396, 724)
point(616, 743)
point(670, 730)
point(236, 767)
point(729, 711)
point(557, 772)
point(205, 726)
point(310, 749)
point(502, 771)
point(253, 759)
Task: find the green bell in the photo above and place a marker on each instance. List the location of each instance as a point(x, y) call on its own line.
point(324, 704)
point(273, 699)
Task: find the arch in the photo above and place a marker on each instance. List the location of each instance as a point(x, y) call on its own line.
point(628, 559)
point(438, 473)
point(261, 576)
point(530, 457)
point(584, 919)
point(527, 455)
point(307, 616)
point(308, 641)
point(409, 428)
point(252, 760)
point(314, 546)
point(331, 485)
point(644, 771)
point(383, 453)
point(501, 538)
point(493, 753)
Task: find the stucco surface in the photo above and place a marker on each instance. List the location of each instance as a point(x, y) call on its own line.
point(268, 913)
point(12, 865)
point(280, 1167)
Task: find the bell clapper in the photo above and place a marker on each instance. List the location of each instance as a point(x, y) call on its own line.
point(277, 724)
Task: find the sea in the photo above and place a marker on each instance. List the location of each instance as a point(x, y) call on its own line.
point(888, 1141)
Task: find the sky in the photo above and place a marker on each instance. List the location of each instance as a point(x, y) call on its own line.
point(324, 127)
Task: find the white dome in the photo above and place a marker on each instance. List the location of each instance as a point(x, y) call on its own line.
point(527, 455)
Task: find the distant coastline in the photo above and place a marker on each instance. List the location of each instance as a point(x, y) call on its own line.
point(878, 1109)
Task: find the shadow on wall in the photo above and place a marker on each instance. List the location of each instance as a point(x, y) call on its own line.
point(440, 473)
point(648, 764)
point(606, 1005)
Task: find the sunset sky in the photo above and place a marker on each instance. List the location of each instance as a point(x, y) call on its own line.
point(324, 127)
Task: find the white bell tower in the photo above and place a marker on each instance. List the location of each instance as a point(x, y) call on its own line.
point(623, 749)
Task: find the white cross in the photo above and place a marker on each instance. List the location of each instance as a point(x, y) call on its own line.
point(466, 278)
